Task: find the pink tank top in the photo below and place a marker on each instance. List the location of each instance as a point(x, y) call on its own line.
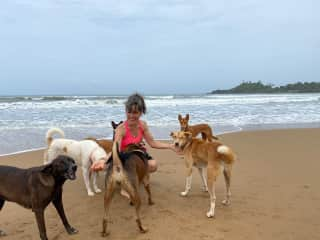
point(129, 138)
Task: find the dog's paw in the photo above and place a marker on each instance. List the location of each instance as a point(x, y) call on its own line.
point(90, 194)
point(2, 233)
point(183, 194)
point(98, 190)
point(105, 234)
point(204, 189)
point(72, 230)
point(144, 230)
point(226, 202)
point(141, 228)
point(210, 214)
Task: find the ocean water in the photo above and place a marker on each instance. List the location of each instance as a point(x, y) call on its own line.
point(25, 120)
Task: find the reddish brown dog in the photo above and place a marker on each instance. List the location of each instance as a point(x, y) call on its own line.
point(105, 143)
point(203, 128)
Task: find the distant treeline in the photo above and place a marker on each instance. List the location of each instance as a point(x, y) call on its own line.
point(259, 87)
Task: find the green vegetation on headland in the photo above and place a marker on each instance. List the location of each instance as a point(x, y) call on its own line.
point(259, 87)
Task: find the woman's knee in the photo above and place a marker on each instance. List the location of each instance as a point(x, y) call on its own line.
point(152, 165)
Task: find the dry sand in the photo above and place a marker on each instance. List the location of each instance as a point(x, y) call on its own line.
point(275, 189)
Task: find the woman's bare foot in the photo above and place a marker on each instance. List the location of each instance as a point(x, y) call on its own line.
point(125, 193)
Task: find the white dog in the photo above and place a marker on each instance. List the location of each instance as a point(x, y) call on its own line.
point(86, 152)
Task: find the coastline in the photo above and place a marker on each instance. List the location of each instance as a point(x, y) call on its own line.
point(159, 131)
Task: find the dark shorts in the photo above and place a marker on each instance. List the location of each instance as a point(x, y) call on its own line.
point(148, 156)
point(142, 151)
point(142, 147)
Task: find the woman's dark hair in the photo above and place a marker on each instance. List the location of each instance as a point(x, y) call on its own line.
point(136, 102)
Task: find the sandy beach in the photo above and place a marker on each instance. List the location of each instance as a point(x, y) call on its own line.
point(274, 186)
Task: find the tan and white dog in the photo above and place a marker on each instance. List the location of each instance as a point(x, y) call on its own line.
point(205, 155)
point(84, 152)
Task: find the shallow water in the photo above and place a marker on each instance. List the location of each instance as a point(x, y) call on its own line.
point(25, 120)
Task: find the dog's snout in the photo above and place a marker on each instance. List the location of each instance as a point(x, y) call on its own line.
point(176, 144)
point(74, 167)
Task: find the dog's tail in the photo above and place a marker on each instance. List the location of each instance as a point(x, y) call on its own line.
point(228, 154)
point(51, 132)
point(117, 165)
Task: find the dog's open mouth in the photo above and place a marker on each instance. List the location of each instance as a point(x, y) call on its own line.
point(178, 147)
point(71, 175)
point(72, 172)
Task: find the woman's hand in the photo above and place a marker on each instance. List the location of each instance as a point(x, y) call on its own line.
point(175, 149)
point(98, 166)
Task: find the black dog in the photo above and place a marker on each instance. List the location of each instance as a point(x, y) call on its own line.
point(114, 126)
point(36, 187)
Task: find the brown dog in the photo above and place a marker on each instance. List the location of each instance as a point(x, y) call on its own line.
point(203, 128)
point(34, 188)
point(128, 169)
point(105, 143)
point(203, 154)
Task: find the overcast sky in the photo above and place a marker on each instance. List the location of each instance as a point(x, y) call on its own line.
point(155, 46)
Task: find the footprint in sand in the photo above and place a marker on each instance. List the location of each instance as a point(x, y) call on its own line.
point(224, 230)
point(128, 218)
point(205, 236)
point(276, 216)
point(167, 212)
point(26, 237)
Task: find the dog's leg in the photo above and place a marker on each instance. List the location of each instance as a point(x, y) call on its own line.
point(203, 178)
point(137, 204)
point(188, 182)
point(146, 184)
point(38, 207)
point(109, 190)
point(135, 198)
point(57, 202)
point(41, 224)
point(1, 203)
point(227, 178)
point(94, 182)
point(86, 179)
point(2, 233)
point(212, 174)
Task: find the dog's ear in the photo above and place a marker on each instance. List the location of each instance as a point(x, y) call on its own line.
point(187, 117)
point(120, 122)
point(113, 124)
point(179, 117)
point(172, 134)
point(47, 169)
